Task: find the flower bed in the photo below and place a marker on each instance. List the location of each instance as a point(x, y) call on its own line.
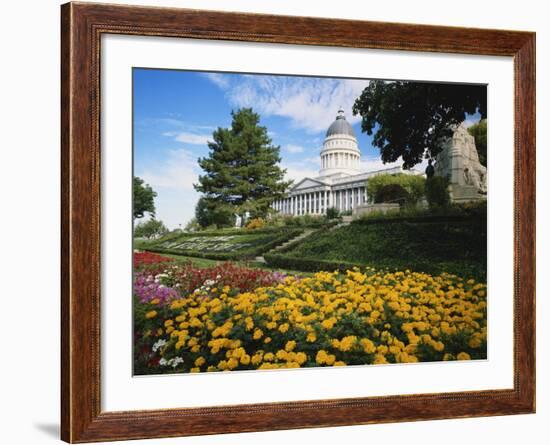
point(145, 259)
point(245, 245)
point(331, 319)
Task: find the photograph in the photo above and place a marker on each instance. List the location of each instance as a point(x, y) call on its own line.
point(285, 221)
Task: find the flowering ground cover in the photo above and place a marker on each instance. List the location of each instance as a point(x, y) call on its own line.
point(233, 245)
point(234, 318)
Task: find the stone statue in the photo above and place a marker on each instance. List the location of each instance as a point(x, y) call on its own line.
point(429, 170)
point(238, 220)
point(459, 162)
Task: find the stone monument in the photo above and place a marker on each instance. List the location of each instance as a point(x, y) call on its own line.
point(459, 162)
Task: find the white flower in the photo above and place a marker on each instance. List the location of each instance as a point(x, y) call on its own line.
point(159, 344)
point(163, 362)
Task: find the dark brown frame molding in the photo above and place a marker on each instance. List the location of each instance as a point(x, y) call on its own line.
point(82, 25)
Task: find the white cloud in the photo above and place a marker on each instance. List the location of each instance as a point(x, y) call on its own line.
point(173, 178)
point(293, 148)
point(177, 171)
point(297, 171)
point(310, 103)
point(220, 80)
point(375, 163)
point(189, 138)
point(372, 164)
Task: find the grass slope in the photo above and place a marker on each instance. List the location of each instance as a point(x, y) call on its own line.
point(456, 245)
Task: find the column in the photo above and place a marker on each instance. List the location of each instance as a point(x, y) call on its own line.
point(317, 202)
point(347, 200)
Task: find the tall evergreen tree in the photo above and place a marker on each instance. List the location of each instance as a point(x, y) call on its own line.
point(242, 169)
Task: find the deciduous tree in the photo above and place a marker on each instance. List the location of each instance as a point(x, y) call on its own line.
point(410, 120)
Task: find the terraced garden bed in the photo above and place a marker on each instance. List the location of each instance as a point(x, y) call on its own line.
point(232, 245)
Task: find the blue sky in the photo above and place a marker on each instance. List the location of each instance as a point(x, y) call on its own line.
point(175, 113)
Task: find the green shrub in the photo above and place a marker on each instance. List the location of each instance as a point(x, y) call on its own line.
point(437, 191)
point(413, 184)
point(392, 193)
point(332, 213)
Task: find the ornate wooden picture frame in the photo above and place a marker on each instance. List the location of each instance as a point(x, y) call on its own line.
point(82, 26)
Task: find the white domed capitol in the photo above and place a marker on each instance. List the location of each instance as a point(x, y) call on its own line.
point(341, 182)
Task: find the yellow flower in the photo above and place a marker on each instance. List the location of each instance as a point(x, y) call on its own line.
point(321, 357)
point(151, 314)
point(475, 342)
point(301, 358)
point(463, 356)
point(283, 328)
point(311, 337)
point(379, 359)
point(200, 361)
point(257, 334)
point(290, 345)
point(368, 346)
point(328, 323)
point(195, 370)
point(155, 301)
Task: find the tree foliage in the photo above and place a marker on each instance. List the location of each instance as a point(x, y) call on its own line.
point(242, 169)
point(479, 132)
point(392, 193)
point(410, 120)
point(412, 184)
point(150, 229)
point(211, 213)
point(144, 198)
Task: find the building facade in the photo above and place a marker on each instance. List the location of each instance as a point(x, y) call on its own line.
point(341, 183)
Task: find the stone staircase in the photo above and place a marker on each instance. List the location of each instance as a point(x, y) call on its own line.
point(296, 239)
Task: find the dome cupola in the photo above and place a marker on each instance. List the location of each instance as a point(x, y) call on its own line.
point(340, 152)
point(340, 126)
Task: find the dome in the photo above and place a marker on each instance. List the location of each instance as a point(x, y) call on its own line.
point(340, 126)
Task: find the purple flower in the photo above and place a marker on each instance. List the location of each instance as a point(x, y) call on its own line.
point(146, 288)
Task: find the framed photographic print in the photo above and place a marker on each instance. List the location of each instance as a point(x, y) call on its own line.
point(276, 222)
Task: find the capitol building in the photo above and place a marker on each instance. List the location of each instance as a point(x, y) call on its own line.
point(341, 182)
